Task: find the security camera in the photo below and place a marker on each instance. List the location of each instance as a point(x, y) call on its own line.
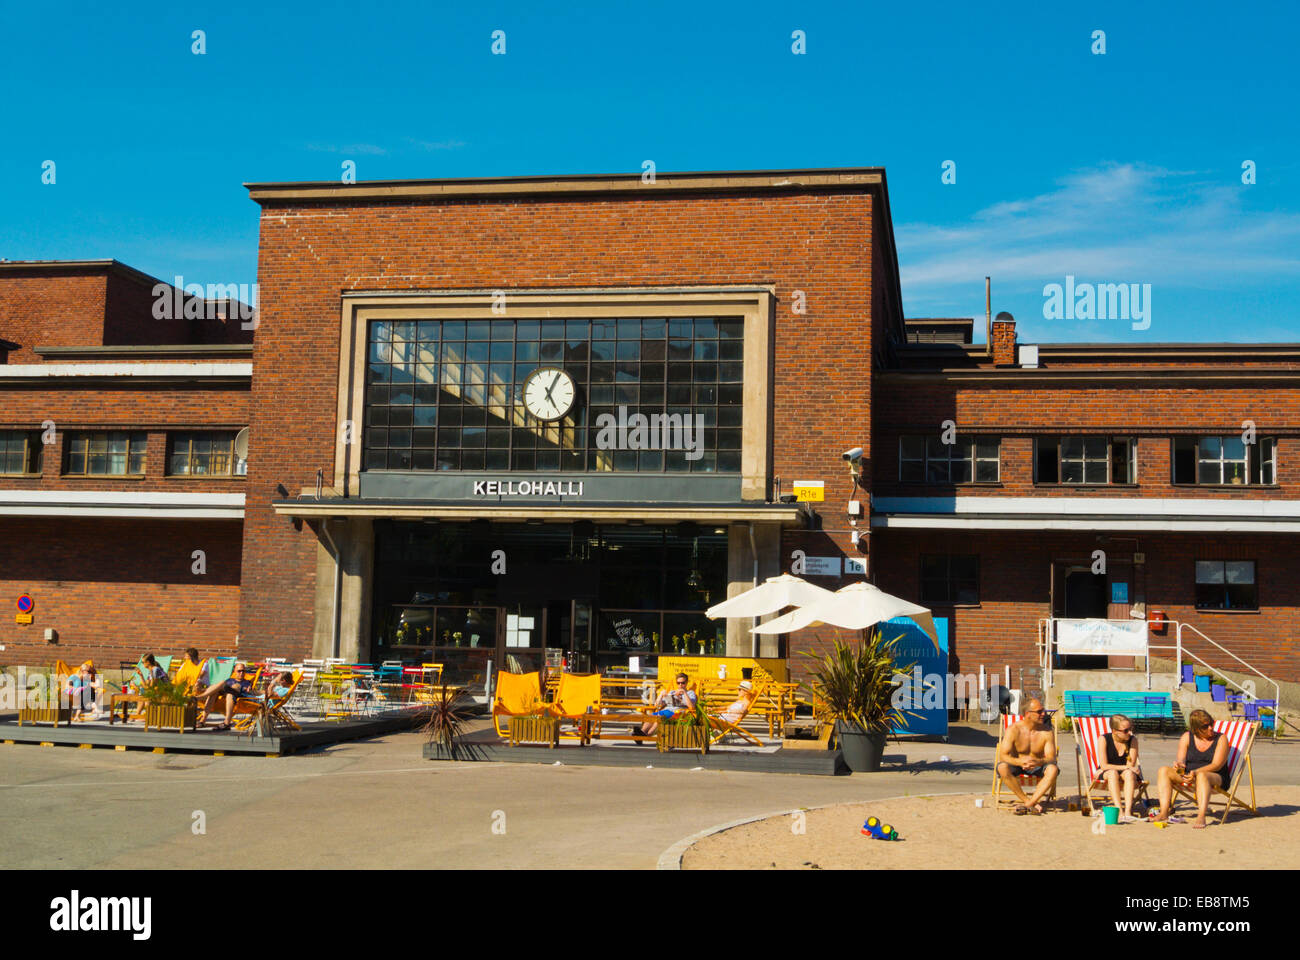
point(852, 455)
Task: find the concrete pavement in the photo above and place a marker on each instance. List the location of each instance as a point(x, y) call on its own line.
point(378, 804)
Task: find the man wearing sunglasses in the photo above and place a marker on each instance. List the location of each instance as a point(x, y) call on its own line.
point(672, 701)
point(230, 690)
point(1028, 748)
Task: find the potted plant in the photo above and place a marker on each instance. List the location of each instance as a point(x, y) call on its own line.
point(857, 684)
point(445, 727)
point(1267, 717)
point(1189, 672)
point(1218, 689)
point(687, 731)
point(1202, 683)
point(167, 704)
point(1064, 724)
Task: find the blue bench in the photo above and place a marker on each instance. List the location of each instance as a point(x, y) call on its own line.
point(1104, 703)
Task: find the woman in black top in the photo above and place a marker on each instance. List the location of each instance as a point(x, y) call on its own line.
point(1117, 753)
point(1202, 756)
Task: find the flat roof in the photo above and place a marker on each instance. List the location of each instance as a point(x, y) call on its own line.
point(674, 182)
point(78, 266)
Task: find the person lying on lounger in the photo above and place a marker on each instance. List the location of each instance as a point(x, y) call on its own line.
point(228, 691)
point(670, 703)
point(1028, 748)
point(1202, 754)
point(1118, 753)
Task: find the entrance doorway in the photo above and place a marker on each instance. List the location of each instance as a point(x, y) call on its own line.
point(1085, 596)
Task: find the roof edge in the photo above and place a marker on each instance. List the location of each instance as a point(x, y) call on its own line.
point(570, 184)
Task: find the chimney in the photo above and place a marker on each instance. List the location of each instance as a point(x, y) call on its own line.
point(1004, 340)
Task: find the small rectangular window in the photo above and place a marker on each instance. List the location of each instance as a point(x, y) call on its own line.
point(114, 453)
point(20, 452)
point(966, 460)
point(950, 579)
point(1226, 585)
point(204, 455)
point(1224, 460)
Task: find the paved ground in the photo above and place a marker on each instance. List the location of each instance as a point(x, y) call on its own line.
point(378, 804)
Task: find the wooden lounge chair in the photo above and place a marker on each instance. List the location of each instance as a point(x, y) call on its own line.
point(1004, 802)
point(517, 695)
point(1086, 761)
point(250, 711)
point(577, 696)
point(1240, 735)
point(723, 727)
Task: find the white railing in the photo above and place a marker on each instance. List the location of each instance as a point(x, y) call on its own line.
point(1047, 647)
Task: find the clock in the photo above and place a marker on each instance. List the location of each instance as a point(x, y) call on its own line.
point(549, 393)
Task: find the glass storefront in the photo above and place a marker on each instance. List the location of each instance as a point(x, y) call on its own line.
point(464, 593)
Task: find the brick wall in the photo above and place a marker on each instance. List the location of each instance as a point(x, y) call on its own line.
point(1017, 413)
point(1015, 591)
point(816, 242)
point(116, 588)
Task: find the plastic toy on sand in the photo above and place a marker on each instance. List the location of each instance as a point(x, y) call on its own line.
point(876, 830)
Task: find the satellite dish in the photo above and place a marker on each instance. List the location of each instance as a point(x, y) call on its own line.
point(241, 444)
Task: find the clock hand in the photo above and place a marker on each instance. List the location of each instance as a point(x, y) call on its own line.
point(554, 380)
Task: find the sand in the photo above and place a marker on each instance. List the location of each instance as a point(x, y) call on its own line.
point(950, 832)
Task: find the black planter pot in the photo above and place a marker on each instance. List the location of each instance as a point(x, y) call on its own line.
point(861, 750)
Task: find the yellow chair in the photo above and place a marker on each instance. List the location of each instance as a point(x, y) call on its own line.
point(518, 695)
point(189, 674)
point(577, 696)
point(277, 717)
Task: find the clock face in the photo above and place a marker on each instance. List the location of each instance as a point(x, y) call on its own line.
point(549, 393)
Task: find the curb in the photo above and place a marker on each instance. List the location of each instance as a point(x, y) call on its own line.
point(671, 859)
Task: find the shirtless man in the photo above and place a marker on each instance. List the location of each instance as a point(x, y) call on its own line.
point(1029, 748)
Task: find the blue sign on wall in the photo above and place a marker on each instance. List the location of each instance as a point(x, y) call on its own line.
point(1119, 593)
point(916, 647)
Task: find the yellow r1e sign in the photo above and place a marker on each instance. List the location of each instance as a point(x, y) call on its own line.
point(809, 491)
point(22, 618)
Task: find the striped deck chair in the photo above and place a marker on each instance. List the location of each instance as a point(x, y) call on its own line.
point(1001, 802)
point(517, 695)
point(1240, 735)
point(1086, 761)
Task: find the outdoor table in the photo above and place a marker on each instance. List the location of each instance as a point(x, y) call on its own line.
point(126, 700)
point(585, 723)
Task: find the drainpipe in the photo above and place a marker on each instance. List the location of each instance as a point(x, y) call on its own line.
point(753, 552)
point(338, 588)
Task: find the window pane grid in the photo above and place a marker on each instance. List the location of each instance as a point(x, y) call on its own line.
point(115, 453)
point(930, 460)
point(687, 371)
point(20, 452)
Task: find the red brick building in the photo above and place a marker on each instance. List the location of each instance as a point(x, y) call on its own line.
point(446, 461)
point(107, 510)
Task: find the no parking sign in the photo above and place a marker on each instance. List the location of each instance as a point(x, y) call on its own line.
point(25, 605)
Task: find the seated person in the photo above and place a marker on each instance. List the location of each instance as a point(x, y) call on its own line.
point(229, 691)
point(1028, 748)
point(199, 670)
point(276, 688)
point(1118, 753)
point(1202, 754)
point(149, 673)
point(82, 689)
point(670, 703)
point(737, 709)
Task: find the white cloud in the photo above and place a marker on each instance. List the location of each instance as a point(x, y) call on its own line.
point(1118, 223)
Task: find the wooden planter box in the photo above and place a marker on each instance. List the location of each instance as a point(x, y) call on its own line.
point(671, 736)
point(166, 716)
point(534, 730)
point(54, 715)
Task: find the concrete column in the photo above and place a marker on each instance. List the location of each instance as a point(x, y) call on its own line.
point(355, 541)
point(740, 573)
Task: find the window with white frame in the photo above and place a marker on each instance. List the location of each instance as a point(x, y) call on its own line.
point(967, 460)
point(1225, 460)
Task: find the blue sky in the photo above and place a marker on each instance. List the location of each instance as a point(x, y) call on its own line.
point(1117, 168)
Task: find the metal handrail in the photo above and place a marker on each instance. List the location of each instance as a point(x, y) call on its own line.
point(1178, 639)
